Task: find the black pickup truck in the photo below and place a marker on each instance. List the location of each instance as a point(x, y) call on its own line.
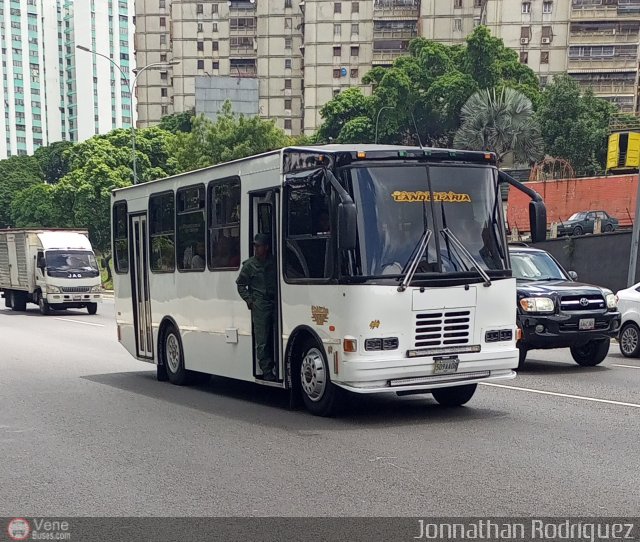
point(554, 311)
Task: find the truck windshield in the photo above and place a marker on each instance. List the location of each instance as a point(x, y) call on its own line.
point(71, 260)
point(535, 266)
point(395, 207)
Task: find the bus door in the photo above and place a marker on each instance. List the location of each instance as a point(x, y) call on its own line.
point(138, 241)
point(265, 215)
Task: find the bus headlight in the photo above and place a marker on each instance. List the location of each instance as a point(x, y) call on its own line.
point(612, 302)
point(537, 304)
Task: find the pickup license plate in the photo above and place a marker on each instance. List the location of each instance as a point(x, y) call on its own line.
point(587, 323)
point(77, 297)
point(445, 366)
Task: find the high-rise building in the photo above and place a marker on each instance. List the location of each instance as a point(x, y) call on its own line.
point(53, 91)
point(305, 52)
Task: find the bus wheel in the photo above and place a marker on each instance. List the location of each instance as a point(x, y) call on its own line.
point(321, 397)
point(454, 396)
point(173, 358)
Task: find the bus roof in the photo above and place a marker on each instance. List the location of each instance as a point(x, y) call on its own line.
point(355, 149)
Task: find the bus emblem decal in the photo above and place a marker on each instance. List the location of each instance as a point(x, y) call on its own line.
point(446, 197)
point(319, 314)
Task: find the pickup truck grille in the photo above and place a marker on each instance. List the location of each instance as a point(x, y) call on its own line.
point(76, 289)
point(443, 328)
point(587, 302)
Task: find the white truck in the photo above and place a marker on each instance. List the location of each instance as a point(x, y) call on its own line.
point(55, 269)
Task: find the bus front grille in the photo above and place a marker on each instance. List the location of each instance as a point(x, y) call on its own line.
point(443, 328)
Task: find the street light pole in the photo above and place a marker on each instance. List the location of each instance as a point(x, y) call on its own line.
point(130, 87)
point(378, 118)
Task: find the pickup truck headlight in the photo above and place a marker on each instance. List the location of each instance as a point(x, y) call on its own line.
point(96, 289)
point(537, 304)
point(612, 302)
point(52, 289)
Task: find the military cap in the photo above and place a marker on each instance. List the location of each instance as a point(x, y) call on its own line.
point(262, 239)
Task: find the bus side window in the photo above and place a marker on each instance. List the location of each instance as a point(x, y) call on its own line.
point(308, 233)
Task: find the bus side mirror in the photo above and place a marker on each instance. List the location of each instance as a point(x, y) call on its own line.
point(538, 221)
point(347, 226)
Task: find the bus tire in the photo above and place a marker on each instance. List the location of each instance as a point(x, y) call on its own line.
point(321, 397)
point(173, 357)
point(454, 396)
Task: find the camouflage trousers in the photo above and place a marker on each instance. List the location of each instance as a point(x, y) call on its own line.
point(263, 336)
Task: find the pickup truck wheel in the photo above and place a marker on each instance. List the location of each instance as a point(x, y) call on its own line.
point(454, 396)
point(577, 230)
point(591, 353)
point(630, 340)
point(522, 356)
point(92, 308)
point(44, 306)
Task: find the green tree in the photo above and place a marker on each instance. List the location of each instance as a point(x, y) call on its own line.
point(54, 160)
point(501, 121)
point(177, 122)
point(228, 138)
point(426, 89)
point(575, 125)
point(34, 207)
point(16, 173)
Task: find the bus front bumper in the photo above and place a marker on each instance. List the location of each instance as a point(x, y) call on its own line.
point(360, 376)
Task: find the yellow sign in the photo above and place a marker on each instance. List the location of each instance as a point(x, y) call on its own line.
point(446, 197)
point(319, 315)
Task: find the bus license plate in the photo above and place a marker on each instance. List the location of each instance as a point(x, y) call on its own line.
point(445, 366)
point(587, 323)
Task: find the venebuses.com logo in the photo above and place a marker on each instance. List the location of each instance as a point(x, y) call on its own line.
point(18, 529)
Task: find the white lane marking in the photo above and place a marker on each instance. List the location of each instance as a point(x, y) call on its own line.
point(80, 322)
point(627, 366)
point(581, 397)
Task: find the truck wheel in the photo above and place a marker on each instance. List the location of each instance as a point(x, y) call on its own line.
point(321, 396)
point(44, 306)
point(173, 357)
point(590, 354)
point(522, 356)
point(454, 396)
point(19, 301)
point(8, 296)
point(630, 340)
point(92, 308)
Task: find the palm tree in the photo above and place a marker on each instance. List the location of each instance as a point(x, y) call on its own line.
point(500, 121)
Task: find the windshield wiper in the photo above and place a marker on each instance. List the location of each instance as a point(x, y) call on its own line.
point(414, 259)
point(458, 244)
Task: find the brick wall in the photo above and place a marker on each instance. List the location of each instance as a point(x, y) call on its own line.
point(615, 194)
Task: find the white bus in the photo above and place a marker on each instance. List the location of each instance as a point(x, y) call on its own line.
point(392, 264)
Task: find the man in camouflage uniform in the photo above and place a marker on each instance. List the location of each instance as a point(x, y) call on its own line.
point(257, 286)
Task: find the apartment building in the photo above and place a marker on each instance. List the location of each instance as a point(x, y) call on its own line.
point(330, 45)
point(237, 38)
point(53, 91)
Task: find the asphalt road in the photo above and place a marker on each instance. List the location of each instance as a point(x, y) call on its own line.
point(87, 430)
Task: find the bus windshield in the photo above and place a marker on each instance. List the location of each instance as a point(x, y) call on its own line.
point(395, 206)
